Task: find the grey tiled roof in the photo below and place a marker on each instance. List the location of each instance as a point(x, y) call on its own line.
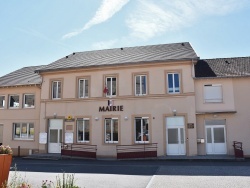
point(23, 76)
point(223, 67)
point(127, 55)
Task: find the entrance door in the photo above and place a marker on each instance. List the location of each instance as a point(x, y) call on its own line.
point(175, 136)
point(1, 134)
point(55, 135)
point(216, 139)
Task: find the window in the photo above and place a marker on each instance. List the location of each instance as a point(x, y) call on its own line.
point(14, 101)
point(141, 129)
point(83, 130)
point(2, 101)
point(140, 85)
point(110, 86)
point(212, 93)
point(111, 130)
point(23, 131)
point(56, 89)
point(29, 101)
point(83, 88)
point(173, 81)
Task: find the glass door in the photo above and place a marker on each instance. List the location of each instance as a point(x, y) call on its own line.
point(216, 139)
point(55, 136)
point(175, 136)
point(1, 134)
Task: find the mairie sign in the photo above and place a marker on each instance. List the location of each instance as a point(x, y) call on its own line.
point(110, 107)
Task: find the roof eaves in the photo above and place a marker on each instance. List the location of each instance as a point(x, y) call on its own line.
point(20, 85)
point(116, 64)
point(236, 76)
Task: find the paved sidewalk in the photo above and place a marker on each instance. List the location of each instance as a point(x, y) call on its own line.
point(166, 176)
point(87, 180)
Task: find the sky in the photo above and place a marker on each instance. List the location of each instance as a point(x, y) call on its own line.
point(36, 33)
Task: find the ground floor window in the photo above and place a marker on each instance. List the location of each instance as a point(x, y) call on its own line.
point(111, 130)
point(83, 130)
point(23, 131)
point(141, 129)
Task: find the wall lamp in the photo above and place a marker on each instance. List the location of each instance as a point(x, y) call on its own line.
point(174, 112)
point(96, 118)
point(125, 118)
point(55, 115)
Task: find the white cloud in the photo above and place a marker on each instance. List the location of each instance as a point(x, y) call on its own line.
point(104, 44)
point(153, 18)
point(107, 9)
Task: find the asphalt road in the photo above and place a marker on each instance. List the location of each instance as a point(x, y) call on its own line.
point(137, 173)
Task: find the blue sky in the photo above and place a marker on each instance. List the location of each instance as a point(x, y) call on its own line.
point(40, 32)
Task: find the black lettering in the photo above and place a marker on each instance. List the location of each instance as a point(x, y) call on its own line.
point(107, 109)
point(102, 109)
point(114, 108)
point(121, 108)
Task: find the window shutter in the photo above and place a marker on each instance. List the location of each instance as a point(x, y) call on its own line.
point(213, 93)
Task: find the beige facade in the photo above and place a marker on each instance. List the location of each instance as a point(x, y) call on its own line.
point(157, 104)
point(233, 109)
point(22, 120)
point(140, 95)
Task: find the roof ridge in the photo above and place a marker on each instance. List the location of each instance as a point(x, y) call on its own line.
point(161, 44)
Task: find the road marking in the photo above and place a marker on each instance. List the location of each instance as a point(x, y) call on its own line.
point(151, 181)
point(153, 177)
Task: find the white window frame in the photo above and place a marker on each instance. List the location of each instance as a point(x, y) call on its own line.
point(210, 97)
point(24, 136)
point(110, 88)
point(24, 101)
point(83, 130)
point(57, 89)
point(106, 136)
point(141, 135)
point(17, 105)
point(85, 87)
point(175, 89)
point(2, 101)
point(140, 93)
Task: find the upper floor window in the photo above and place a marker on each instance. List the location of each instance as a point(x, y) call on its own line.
point(110, 86)
point(83, 130)
point(29, 101)
point(83, 88)
point(56, 89)
point(2, 101)
point(111, 130)
point(14, 101)
point(141, 129)
point(23, 131)
point(213, 93)
point(173, 83)
point(140, 85)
